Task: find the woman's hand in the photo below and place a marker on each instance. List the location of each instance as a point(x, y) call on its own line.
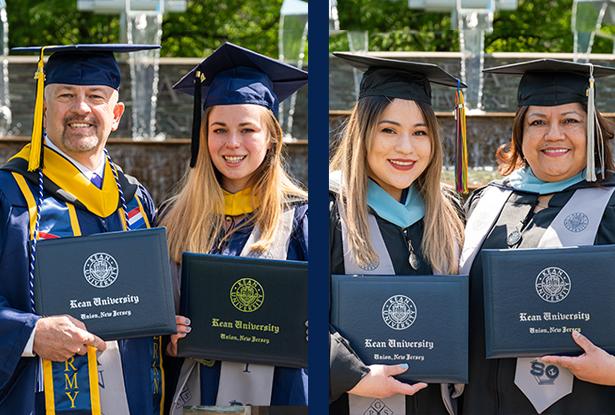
point(380, 383)
point(183, 328)
point(595, 365)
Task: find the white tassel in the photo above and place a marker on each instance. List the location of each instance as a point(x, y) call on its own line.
point(590, 170)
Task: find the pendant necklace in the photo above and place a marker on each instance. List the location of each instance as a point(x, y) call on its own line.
point(413, 259)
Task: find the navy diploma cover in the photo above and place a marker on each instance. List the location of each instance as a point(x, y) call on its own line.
point(534, 298)
point(117, 283)
point(418, 320)
point(244, 309)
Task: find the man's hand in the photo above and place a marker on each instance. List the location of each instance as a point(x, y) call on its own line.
point(183, 328)
point(58, 338)
point(595, 365)
point(380, 383)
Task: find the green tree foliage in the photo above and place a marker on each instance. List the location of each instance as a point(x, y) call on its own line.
point(202, 28)
point(53, 22)
point(535, 26)
point(393, 26)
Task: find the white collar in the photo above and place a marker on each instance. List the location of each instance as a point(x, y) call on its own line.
point(87, 172)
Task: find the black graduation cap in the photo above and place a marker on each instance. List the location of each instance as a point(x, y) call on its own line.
point(550, 82)
point(235, 75)
point(412, 81)
point(81, 64)
point(398, 79)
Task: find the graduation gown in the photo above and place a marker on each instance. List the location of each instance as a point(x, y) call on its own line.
point(346, 368)
point(491, 389)
point(18, 374)
point(290, 385)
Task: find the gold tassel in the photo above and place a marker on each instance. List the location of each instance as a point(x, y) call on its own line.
point(36, 146)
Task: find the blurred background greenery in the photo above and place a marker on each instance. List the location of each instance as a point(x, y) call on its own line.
point(535, 26)
point(202, 28)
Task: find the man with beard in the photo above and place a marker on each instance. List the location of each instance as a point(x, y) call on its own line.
point(64, 184)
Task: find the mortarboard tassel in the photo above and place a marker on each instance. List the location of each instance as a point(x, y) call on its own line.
point(196, 118)
point(593, 141)
point(461, 145)
point(36, 147)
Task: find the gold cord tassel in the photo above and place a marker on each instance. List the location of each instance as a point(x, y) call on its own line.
point(461, 145)
point(36, 146)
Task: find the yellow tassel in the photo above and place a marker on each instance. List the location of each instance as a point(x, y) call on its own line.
point(34, 161)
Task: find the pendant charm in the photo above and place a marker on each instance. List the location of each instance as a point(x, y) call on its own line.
point(513, 238)
point(413, 260)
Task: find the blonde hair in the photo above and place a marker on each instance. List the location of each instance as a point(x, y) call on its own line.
point(195, 219)
point(443, 231)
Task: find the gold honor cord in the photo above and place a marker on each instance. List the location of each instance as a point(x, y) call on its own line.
point(461, 147)
point(34, 160)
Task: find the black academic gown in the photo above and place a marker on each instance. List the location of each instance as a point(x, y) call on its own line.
point(346, 369)
point(491, 389)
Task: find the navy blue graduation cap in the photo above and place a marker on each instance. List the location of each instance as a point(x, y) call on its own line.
point(82, 64)
point(551, 82)
point(235, 75)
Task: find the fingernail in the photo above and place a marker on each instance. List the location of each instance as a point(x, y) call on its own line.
point(575, 333)
point(188, 329)
point(404, 365)
point(187, 321)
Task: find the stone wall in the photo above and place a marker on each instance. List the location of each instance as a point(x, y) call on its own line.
point(499, 92)
point(174, 113)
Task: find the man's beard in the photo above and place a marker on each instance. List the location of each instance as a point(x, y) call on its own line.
point(77, 143)
point(81, 144)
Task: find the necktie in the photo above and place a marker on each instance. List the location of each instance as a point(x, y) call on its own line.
point(96, 180)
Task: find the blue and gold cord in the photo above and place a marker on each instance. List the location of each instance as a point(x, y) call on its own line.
point(119, 188)
point(34, 237)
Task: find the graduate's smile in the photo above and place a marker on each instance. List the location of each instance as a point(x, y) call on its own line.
point(555, 151)
point(234, 160)
point(402, 164)
point(80, 126)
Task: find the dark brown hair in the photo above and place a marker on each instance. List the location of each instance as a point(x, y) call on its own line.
point(510, 156)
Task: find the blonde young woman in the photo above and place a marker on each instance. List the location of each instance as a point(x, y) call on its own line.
point(237, 199)
point(385, 179)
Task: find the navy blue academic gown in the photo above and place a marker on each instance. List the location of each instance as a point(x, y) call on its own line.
point(290, 386)
point(18, 374)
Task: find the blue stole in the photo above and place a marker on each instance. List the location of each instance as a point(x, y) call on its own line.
point(401, 214)
point(524, 180)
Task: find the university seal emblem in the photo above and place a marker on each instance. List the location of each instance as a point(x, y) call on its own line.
point(100, 270)
point(576, 222)
point(378, 408)
point(399, 312)
point(247, 295)
point(552, 284)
